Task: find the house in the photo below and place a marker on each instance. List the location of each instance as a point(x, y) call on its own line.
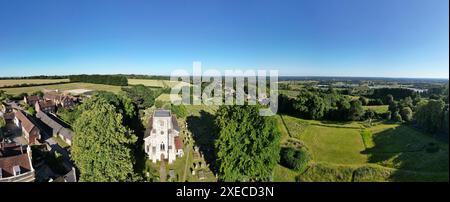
point(57, 127)
point(46, 106)
point(60, 100)
point(15, 163)
point(32, 99)
point(29, 130)
point(162, 141)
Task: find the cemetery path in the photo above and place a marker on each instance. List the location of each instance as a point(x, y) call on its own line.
point(162, 171)
point(186, 165)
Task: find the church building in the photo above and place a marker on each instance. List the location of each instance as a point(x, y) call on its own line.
point(162, 141)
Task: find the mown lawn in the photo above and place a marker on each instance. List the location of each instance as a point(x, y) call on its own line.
point(61, 87)
point(11, 82)
point(335, 145)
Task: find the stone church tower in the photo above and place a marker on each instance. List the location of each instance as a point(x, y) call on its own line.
point(162, 141)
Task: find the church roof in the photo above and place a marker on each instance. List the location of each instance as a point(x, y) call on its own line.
point(162, 113)
point(175, 123)
point(178, 143)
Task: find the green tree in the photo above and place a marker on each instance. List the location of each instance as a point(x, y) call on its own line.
point(388, 99)
point(310, 105)
point(248, 144)
point(429, 115)
point(2, 122)
point(102, 146)
point(29, 109)
point(38, 93)
point(388, 115)
point(369, 115)
point(396, 117)
point(2, 125)
point(364, 101)
point(407, 102)
point(356, 110)
point(297, 159)
point(407, 114)
point(393, 107)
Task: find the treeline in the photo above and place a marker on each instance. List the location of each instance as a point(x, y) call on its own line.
point(34, 77)
point(141, 76)
point(143, 96)
point(32, 84)
point(397, 93)
point(320, 104)
point(115, 80)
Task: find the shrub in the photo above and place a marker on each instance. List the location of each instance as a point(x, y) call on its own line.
point(296, 159)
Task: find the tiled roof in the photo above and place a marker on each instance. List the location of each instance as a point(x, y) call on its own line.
point(26, 123)
point(175, 123)
point(46, 103)
point(178, 143)
point(33, 98)
point(51, 96)
point(7, 163)
point(148, 131)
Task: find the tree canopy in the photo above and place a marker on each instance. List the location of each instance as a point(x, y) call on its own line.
point(102, 146)
point(248, 144)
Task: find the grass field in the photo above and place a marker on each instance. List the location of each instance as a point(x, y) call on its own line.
point(380, 109)
point(289, 93)
point(146, 82)
point(153, 83)
point(61, 87)
point(11, 82)
point(350, 152)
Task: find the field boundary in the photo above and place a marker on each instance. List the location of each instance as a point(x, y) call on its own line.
point(285, 126)
point(34, 85)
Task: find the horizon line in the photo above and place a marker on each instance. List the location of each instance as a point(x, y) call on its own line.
point(292, 76)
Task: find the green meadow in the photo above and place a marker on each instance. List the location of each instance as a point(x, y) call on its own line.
point(346, 152)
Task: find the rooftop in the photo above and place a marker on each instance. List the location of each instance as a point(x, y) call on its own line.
point(162, 113)
point(26, 123)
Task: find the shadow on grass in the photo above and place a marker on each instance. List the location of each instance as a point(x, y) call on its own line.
point(204, 133)
point(416, 156)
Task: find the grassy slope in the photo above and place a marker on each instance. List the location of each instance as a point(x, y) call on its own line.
point(334, 145)
point(341, 155)
point(67, 86)
point(30, 81)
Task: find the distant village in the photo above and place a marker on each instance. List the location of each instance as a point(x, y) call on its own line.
point(44, 131)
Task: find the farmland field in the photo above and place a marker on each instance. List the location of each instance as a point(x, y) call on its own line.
point(153, 83)
point(146, 82)
point(12, 82)
point(61, 87)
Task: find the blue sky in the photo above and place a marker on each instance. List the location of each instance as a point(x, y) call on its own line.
point(382, 38)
